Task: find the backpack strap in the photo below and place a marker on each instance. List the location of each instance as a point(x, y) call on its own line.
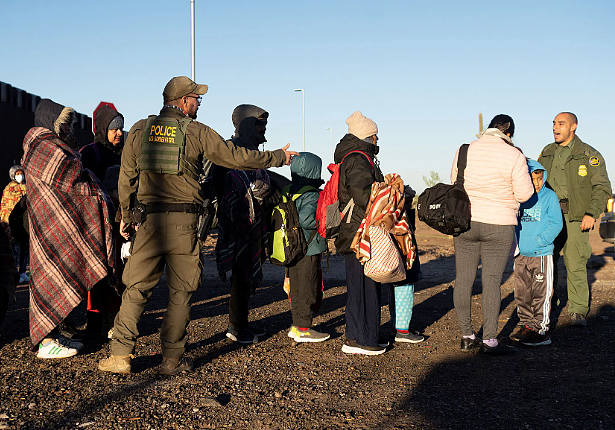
point(371, 162)
point(462, 161)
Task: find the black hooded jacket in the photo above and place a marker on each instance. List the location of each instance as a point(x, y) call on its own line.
point(102, 154)
point(356, 179)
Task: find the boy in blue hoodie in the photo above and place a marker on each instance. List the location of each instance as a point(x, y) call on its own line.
point(540, 221)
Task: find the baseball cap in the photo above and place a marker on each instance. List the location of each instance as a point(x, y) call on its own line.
point(181, 86)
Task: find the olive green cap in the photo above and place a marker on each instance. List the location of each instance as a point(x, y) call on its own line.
point(181, 86)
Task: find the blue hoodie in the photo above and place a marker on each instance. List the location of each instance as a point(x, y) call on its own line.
point(540, 219)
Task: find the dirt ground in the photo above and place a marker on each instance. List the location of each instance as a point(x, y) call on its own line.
point(278, 384)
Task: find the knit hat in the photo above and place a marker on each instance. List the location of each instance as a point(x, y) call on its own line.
point(361, 126)
point(117, 122)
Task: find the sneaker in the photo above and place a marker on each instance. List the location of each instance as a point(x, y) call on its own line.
point(174, 366)
point(64, 341)
point(578, 320)
point(257, 331)
point(244, 336)
point(23, 278)
point(116, 363)
point(499, 349)
point(51, 348)
point(351, 347)
point(536, 339)
point(409, 337)
point(521, 333)
point(309, 335)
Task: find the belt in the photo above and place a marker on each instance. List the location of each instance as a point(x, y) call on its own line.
point(192, 208)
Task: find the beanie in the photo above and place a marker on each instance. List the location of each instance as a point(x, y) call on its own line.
point(361, 126)
point(117, 122)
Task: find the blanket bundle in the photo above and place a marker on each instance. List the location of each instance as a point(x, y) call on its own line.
point(386, 209)
point(71, 241)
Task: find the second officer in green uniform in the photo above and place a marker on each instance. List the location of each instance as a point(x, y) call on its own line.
point(577, 174)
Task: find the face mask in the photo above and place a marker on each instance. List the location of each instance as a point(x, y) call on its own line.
point(19, 178)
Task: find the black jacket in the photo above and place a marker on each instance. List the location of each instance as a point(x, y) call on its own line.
point(356, 179)
point(102, 154)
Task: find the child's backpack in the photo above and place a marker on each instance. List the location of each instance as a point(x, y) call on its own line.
point(287, 243)
point(328, 214)
point(446, 208)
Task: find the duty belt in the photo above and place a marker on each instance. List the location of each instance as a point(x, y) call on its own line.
point(191, 208)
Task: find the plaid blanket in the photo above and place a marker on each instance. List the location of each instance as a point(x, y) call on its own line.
point(386, 209)
point(71, 242)
point(242, 238)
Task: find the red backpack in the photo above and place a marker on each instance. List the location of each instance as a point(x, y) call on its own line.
point(328, 214)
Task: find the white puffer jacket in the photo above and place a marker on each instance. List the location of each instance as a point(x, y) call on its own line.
point(496, 179)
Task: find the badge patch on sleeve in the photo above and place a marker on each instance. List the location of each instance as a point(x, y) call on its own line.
point(582, 170)
point(594, 161)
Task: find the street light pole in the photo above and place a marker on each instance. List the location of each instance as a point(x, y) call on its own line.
point(303, 94)
point(329, 128)
point(192, 35)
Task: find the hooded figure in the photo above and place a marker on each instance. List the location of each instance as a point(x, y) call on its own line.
point(245, 119)
point(12, 194)
point(540, 217)
point(71, 242)
point(102, 154)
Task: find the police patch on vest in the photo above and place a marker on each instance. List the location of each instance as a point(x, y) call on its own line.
point(162, 133)
point(582, 170)
point(594, 161)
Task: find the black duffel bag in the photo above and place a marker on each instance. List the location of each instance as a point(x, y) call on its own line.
point(446, 208)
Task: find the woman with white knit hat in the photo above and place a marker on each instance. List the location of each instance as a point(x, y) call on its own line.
point(359, 170)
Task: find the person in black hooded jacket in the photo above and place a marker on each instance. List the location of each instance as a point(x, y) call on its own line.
point(357, 174)
point(106, 150)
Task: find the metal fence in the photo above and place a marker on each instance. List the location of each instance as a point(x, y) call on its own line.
point(16, 118)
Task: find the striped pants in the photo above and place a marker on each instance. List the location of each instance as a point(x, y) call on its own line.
point(534, 290)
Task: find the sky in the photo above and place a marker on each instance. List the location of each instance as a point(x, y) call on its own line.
point(422, 70)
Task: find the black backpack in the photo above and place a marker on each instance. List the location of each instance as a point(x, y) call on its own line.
point(446, 208)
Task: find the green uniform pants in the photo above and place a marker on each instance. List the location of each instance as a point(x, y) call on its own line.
point(164, 238)
point(576, 249)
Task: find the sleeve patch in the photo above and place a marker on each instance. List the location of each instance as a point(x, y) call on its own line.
point(594, 161)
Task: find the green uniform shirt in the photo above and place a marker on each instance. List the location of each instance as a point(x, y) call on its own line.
point(557, 175)
point(587, 185)
point(202, 144)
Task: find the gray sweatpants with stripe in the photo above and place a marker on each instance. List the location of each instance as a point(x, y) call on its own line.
point(534, 290)
point(489, 244)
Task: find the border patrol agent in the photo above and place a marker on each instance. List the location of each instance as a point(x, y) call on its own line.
point(577, 174)
point(162, 160)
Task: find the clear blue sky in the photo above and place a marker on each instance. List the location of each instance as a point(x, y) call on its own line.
point(421, 69)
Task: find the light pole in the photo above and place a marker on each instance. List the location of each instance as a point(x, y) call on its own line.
point(192, 34)
point(329, 128)
point(303, 94)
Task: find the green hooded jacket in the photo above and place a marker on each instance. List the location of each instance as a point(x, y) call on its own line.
point(587, 181)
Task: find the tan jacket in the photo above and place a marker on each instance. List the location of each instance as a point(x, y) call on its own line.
point(202, 143)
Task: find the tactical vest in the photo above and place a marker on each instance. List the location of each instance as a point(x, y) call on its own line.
point(163, 148)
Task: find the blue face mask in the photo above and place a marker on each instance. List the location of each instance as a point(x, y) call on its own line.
point(19, 178)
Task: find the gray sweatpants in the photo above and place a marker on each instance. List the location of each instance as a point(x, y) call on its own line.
point(489, 244)
point(534, 290)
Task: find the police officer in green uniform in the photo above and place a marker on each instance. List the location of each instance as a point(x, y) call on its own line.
point(577, 174)
point(161, 163)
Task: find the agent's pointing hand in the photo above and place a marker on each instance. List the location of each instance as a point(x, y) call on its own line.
point(289, 154)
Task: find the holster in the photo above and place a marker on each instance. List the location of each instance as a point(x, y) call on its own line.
point(139, 214)
point(563, 203)
point(206, 219)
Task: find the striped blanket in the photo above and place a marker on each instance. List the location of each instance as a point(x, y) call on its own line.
point(386, 209)
point(71, 242)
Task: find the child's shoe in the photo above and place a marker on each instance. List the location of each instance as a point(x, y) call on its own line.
point(533, 338)
point(309, 335)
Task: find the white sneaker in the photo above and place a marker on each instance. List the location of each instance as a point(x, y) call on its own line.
point(51, 348)
point(69, 343)
point(24, 279)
